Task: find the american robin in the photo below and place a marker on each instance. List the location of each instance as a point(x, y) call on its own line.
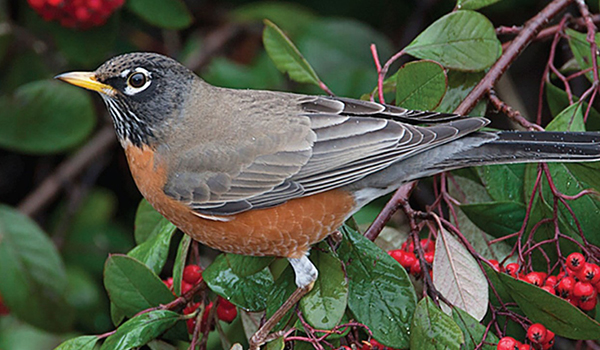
point(271, 173)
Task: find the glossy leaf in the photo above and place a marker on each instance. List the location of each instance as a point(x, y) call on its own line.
point(458, 277)
point(283, 287)
point(132, 286)
point(248, 292)
point(420, 85)
point(180, 263)
point(86, 342)
point(496, 218)
point(141, 329)
point(459, 86)
point(169, 14)
point(45, 117)
point(154, 251)
point(582, 50)
point(503, 182)
point(33, 276)
point(325, 305)
point(474, 4)
point(570, 119)
point(380, 293)
point(432, 329)
point(473, 331)
point(556, 314)
point(462, 40)
point(244, 265)
point(286, 56)
point(146, 220)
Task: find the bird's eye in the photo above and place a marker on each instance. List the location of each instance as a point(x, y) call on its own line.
point(137, 80)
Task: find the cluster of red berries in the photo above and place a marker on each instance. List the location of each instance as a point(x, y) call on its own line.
point(579, 284)
point(539, 337)
point(192, 275)
point(82, 14)
point(407, 258)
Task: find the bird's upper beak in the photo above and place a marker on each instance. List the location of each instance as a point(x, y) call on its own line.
point(88, 81)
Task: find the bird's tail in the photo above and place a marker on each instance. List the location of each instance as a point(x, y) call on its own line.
point(525, 147)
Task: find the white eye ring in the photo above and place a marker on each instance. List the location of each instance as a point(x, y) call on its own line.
point(131, 89)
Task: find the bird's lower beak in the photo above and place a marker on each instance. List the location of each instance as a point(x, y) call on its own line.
point(86, 80)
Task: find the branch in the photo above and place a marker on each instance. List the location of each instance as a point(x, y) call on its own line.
point(521, 41)
point(390, 208)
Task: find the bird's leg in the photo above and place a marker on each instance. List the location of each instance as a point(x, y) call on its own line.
point(306, 275)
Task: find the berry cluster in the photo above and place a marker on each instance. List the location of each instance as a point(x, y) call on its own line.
point(192, 275)
point(539, 337)
point(82, 14)
point(407, 258)
point(579, 283)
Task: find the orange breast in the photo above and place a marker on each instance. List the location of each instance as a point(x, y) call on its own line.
point(287, 230)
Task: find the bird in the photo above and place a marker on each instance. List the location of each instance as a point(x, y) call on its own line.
point(269, 173)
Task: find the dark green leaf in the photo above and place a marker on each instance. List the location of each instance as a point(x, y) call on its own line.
point(582, 50)
point(154, 251)
point(45, 117)
point(503, 182)
point(180, 262)
point(116, 315)
point(326, 303)
point(24, 68)
point(462, 40)
point(473, 331)
point(474, 4)
point(570, 119)
point(86, 342)
point(284, 286)
point(432, 329)
point(558, 100)
point(132, 286)
point(248, 292)
point(277, 344)
point(169, 14)
point(497, 218)
point(141, 329)
point(261, 74)
point(33, 276)
point(556, 314)
point(586, 172)
point(286, 56)
point(380, 293)
point(420, 85)
point(459, 86)
point(146, 220)
point(244, 265)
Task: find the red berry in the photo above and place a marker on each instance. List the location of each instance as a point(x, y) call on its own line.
point(536, 333)
point(225, 314)
point(495, 264)
point(416, 269)
point(375, 345)
point(512, 269)
point(551, 281)
point(192, 274)
point(525, 347)
point(584, 291)
point(169, 282)
point(589, 273)
point(191, 322)
point(397, 254)
point(548, 341)
point(565, 287)
point(507, 343)
point(428, 256)
point(588, 305)
point(81, 14)
point(549, 289)
point(205, 315)
point(575, 261)
point(345, 347)
point(408, 260)
point(185, 287)
point(428, 245)
point(225, 303)
point(535, 278)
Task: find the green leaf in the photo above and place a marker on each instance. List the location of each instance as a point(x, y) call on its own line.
point(33, 276)
point(277, 344)
point(146, 221)
point(141, 329)
point(248, 292)
point(558, 100)
point(132, 286)
point(86, 342)
point(154, 251)
point(169, 14)
point(473, 331)
point(433, 329)
point(45, 117)
point(458, 277)
point(582, 50)
point(586, 172)
point(474, 4)
point(420, 85)
point(283, 288)
point(261, 74)
point(244, 265)
point(460, 85)
point(462, 40)
point(380, 293)
point(325, 305)
point(286, 56)
point(503, 182)
point(496, 218)
point(292, 17)
point(556, 314)
point(570, 119)
point(180, 262)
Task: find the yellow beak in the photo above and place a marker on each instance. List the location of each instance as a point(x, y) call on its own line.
point(86, 80)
